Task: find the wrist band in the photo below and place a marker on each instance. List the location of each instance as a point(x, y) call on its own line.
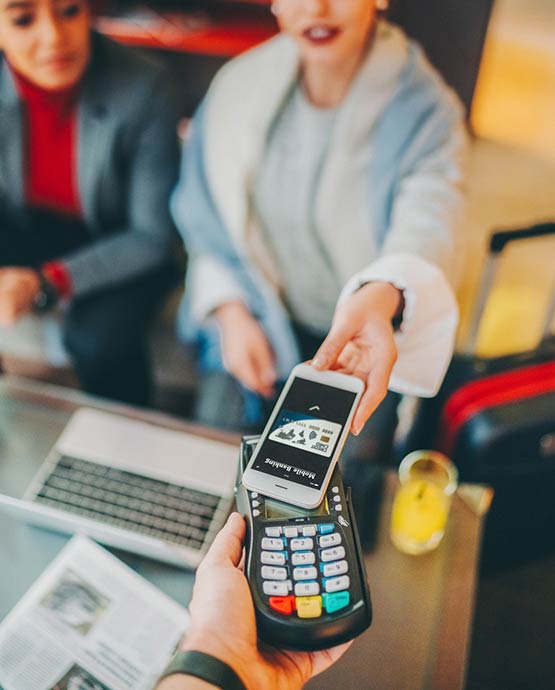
point(205, 667)
point(46, 297)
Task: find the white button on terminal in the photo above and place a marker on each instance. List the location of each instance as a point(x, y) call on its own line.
point(335, 554)
point(303, 558)
point(334, 569)
point(272, 558)
point(306, 589)
point(272, 544)
point(309, 573)
point(337, 584)
point(270, 573)
point(330, 539)
point(278, 589)
point(302, 544)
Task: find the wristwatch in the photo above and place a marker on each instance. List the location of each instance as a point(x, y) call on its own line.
point(205, 667)
point(47, 296)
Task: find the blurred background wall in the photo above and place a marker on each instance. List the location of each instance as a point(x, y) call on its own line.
point(512, 180)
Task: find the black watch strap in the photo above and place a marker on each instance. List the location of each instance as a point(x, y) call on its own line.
point(205, 667)
point(47, 296)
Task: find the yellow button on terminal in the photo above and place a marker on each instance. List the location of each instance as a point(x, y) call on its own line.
point(309, 607)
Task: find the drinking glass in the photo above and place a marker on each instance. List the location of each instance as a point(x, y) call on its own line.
point(428, 480)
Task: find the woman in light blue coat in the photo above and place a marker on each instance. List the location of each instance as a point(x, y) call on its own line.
point(321, 200)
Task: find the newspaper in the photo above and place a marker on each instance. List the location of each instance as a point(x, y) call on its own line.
point(89, 623)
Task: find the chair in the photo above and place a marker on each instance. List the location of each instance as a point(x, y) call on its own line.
point(452, 32)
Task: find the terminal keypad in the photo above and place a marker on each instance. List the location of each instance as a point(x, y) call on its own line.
point(304, 570)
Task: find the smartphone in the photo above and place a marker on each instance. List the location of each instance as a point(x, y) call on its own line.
point(299, 447)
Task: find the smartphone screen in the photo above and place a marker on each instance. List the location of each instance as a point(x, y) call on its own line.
point(305, 433)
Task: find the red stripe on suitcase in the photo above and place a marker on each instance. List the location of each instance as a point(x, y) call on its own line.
point(498, 382)
point(499, 389)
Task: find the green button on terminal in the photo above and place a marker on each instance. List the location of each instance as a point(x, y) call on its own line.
point(335, 601)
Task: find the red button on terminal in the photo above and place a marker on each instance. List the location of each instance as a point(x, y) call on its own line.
point(285, 605)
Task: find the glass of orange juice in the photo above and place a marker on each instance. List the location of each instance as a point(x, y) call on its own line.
point(428, 480)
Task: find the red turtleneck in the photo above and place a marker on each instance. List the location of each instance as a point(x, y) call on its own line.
point(50, 148)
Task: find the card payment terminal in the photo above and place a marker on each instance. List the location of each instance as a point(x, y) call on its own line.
point(305, 567)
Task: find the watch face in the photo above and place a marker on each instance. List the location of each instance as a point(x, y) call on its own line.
point(41, 300)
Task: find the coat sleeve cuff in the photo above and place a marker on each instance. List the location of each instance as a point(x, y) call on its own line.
point(426, 337)
point(57, 273)
point(210, 284)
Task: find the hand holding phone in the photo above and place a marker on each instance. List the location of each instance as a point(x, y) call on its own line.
point(303, 438)
point(361, 343)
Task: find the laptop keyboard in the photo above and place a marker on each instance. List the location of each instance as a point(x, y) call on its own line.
point(155, 508)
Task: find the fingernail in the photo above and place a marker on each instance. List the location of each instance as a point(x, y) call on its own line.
point(319, 362)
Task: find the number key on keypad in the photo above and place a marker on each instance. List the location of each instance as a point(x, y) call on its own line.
point(272, 544)
point(306, 544)
point(272, 558)
point(330, 540)
point(334, 569)
point(271, 573)
point(303, 558)
point(309, 573)
point(306, 589)
point(335, 554)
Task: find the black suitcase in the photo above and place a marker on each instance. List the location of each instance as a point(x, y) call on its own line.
point(496, 419)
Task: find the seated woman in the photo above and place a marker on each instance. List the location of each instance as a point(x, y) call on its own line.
point(321, 202)
point(88, 158)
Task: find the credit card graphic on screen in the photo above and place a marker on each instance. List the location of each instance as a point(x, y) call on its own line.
point(308, 433)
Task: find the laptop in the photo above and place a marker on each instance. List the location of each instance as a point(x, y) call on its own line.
point(132, 485)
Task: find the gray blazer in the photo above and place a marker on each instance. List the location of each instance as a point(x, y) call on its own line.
point(128, 161)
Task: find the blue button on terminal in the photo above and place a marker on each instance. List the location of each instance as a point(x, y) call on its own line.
point(335, 601)
point(326, 528)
